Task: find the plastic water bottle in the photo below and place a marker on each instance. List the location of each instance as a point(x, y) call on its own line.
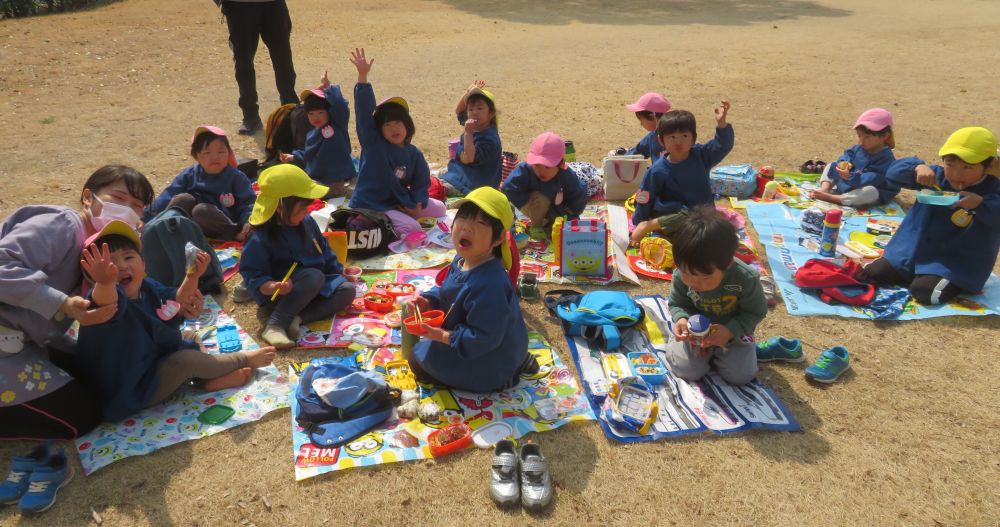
point(406, 339)
point(831, 229)
point(570, 152)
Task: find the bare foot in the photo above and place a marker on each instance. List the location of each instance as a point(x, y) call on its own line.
point(260, 357)
point(233, 379)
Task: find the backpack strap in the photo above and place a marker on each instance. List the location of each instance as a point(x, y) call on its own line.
point(557, 297)
point(832, 295)
point(612, 337)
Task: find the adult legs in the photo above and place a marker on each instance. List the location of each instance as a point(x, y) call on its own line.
point(244, 22)
point(275, 31)
point(66, 413)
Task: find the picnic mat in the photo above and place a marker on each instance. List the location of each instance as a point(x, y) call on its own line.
point(788, 247)
point(684, 407)
point(544, 401)
point(176, 419)
point(801, 185)
point(228, 254)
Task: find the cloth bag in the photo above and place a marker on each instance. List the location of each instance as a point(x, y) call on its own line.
point(622, 176)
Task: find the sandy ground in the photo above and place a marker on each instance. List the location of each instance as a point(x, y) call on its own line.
point(909, 437)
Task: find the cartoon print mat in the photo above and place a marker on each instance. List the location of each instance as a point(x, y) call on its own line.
point(542, 402)
point(318, 334)
point(786, 247)
point(710, 404)
point(800, 199)
point(176, 419)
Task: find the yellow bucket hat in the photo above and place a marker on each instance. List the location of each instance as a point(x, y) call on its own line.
point(282, 181)
point(495, 204)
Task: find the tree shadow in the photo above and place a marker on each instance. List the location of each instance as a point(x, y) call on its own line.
point(639, 12)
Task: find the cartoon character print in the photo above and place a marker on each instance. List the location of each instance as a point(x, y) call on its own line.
point(400, 172)
point(327, 131)
point(227, 200)
point(582, 263)
point(365, 445)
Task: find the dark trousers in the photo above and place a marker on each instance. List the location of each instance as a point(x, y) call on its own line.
point(306, 302)
point(926, 288)
point(248, 23)
point(66, 413)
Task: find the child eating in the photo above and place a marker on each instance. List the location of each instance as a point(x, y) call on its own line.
point(861, 180)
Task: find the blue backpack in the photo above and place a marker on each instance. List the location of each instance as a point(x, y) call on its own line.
point(163, 241)
point(363, 401)
point(597, 316)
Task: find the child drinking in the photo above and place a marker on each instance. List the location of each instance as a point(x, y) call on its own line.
point(679, 180)
point(648, 109)
point(940, 252)
point(708, 280)
point(285, 236)
point(478, 160)
point(327, 153)
point(543, 187)
point(212, 191)
point(394, 175)
point(482, 345)
point(861, 169)
point(138, 358)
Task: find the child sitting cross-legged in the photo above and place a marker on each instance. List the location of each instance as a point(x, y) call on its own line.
point(139, 358)
point(861, 170)
point(708, 280)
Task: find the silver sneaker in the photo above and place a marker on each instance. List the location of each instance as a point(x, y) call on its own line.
point(536, 484)
point(504, 485)
point(241, 294)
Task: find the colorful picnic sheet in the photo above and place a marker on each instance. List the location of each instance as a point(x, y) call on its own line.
point(801, 185)
point(788, 247)
point(176, 419)
point(228, 254)
point(541, 402)
point(683, 407)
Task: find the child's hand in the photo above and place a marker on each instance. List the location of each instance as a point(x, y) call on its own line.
point(926, 176)
point(244, 232)
point(191, 307)
point(721, 112)
point(681, 330)
point(968, 200)
point(360, 62)
point(201, 261)
point(286, 158)
point(86, 312)
point(324, 81)
point(478, 84)
point(844, 173)
point(98, 265)
point(283, 288)
point(470, 125)
point(437, 334)
point(718, 335)
point(641, 230)
point(420, 302)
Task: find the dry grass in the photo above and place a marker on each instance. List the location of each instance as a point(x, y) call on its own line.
point(909, 437)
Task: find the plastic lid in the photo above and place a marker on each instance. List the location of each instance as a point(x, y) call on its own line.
point(491, 433)
point(834, 215)
point(698, 324)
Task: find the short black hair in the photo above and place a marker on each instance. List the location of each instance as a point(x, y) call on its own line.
point(202, 140)
point(489, 104)
point(117, 242)
point(471, 211)
point(314, 102)
point(883, 132)
point(677, 121)
point(273, 226)
point(986, 162)
point(705, 241)
point(136, 183)
point(391, 111)
point(648, 115)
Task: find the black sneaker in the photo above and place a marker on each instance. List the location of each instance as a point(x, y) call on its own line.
point(250, 126)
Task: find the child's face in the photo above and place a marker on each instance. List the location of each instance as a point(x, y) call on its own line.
point(677, 144)
point(473, 238)
point(700, 283)
point(961, 174)
point(480, 111)
point(131, 270)
point(545, 173)
point(648, 123)
point(214, 157)
point(293, 217)
point(318, 118)
point(394, 132)
point(871, 142)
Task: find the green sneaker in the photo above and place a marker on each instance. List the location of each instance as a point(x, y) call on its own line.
point(830, 365)
point(780, 349)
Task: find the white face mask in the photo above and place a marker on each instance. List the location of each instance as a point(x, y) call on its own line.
point(113, 211)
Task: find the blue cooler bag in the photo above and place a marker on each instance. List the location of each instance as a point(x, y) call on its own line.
point(738, 181)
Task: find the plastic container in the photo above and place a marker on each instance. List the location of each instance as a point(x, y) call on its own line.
point(698, 326)
point(229, 338)
point(378, 302)
point(352, 274)
point(938, 197)
point(492, 433)
point(557, 226)
point(397, 290)
point(645, 365)
point(453, 147)
point(216, 414)
point(433, 318)
point(770, 189)
point(831, 229)
point(449, 439)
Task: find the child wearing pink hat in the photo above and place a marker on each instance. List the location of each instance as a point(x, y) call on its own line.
point(543, 187)
point(648, 109)
point(861, 169)
point(216, 195)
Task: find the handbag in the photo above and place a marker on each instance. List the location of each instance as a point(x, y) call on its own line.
point(622, 176)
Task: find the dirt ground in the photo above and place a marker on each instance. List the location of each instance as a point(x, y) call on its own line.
point(909, 437)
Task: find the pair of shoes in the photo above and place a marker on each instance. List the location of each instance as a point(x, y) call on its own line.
point(820, 166)
point(241, 294)
point(295, 328)
point(277, 337)
point(780, 349)
point(520, 477)
point(830, 365)
point(813, 167)
point(35, 479)
point(250, 125)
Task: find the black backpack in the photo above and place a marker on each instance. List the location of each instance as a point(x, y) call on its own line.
point(163, 241)
point(369, 232)
point(285, 131)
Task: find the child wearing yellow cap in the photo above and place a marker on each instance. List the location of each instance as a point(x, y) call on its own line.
point(942, 251)
point(482, 345)
point(478, 161)
point(283, 235)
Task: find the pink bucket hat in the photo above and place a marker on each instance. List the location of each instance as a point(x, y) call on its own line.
point(547, 149)
point(874, 119)
point(650, 102)
point(217, 131)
